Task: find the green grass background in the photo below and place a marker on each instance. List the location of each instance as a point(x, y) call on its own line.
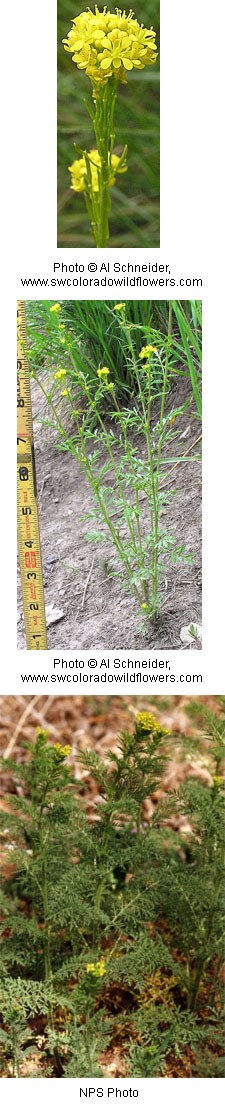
point(134, 220)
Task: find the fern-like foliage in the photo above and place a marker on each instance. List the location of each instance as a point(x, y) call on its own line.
point(112, 927)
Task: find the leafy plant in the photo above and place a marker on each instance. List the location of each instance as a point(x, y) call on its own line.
point(92, 328)
point(111, 927)
point(123, 481)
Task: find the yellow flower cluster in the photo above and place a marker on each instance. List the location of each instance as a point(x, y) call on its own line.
point(147, 350)
point(108, 45)
point(79, 174)
point(103, 372)
point(148, 722)
point(96, 969)
point(119, 306)
point(55, 308)
point(60, 374)
point(42, 739)
point(62, 750)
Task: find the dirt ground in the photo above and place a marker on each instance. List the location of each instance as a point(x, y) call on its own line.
point(97, 611)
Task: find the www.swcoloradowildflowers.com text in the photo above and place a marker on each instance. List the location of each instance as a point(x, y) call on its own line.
point(111, 275)
point(109, 677)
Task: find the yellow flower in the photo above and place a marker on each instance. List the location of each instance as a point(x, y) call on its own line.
point(110, 386)
point(62, 750)
point(79, 171)
point(148, 722)
point(144, 606)
point(109, 45)
point(65, 392)
point(97, 969)
point(119, 306)
point(102, 372)
point(60, 375)
point(55, 308)
point(147, 350)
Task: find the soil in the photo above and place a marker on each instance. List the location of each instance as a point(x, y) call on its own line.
point(98, 612)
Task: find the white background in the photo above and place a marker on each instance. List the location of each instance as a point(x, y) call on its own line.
point(192, 239)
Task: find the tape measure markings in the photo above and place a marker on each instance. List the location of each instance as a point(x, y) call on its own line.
point(27, 508)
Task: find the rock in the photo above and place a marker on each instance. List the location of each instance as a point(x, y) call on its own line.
point(53, 615)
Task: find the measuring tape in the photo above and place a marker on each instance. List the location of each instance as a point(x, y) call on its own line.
point(27, 509)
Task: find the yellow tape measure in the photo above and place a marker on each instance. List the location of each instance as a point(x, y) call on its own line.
point(27, 509)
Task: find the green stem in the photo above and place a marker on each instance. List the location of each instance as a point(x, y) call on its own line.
point(111, 455)
point(104, 131)
point(153, 496)
point(137, 506)
point(16, 1064)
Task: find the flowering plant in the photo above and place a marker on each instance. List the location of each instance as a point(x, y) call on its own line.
point(120, 484)
point(107, 46)
point(112, 919)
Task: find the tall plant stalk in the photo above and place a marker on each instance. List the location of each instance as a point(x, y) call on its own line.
point(107, 46)
point(104, 131)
